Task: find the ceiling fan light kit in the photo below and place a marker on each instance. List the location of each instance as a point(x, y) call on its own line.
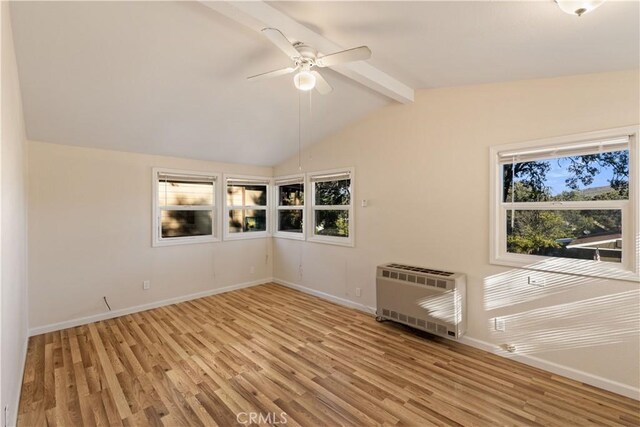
point(304, 80)
point(305, 58)
point(578, 7)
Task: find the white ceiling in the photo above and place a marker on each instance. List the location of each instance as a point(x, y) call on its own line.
point(169, 77)
point(435, 44)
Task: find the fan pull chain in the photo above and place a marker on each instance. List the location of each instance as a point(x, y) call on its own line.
point(299, 132)
point(513, 191)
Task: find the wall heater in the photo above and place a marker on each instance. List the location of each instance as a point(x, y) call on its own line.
point(423, 298)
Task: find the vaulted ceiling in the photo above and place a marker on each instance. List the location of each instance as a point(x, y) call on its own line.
point(169, 77)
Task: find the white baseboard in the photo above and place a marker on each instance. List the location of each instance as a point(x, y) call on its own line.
point(121, 312)
point(328, 297)
point(555, 368)
point(565, 371)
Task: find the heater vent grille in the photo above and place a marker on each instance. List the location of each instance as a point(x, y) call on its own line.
point(423, 298)
point(420, 270)
point(438, 328)
point(418, 279)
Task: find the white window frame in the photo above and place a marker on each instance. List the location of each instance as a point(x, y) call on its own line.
point(312, 208)
point(156, 232)
point(283, 180)
point(261, 180)
point(628, 269)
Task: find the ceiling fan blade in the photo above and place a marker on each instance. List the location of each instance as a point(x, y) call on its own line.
point(274, 73)
point(356, 54)
point(321, 84)
point(281, 41)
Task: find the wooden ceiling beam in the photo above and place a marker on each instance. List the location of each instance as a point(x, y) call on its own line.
point(258, 15)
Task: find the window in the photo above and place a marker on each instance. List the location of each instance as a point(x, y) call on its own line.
point(184, 207)
point(289, 218)
point(568, 204)
point(246, 207)
point(332, 207)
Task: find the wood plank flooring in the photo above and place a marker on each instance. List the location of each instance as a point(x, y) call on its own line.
point(287, 356)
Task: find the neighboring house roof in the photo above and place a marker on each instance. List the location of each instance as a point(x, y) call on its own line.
point(593, 241)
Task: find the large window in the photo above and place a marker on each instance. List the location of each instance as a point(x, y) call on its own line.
point(184, 207)
point(289, 218)
point(332, 207)
point(568, 204)
point(246, 207)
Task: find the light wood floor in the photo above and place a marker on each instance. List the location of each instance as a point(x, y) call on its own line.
point(270, 350)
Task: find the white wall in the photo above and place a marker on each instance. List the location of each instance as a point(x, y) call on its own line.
point(13, 231)
point(90, 214)
point(424, 168)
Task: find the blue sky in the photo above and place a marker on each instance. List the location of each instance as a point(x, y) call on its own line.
point(558, 173)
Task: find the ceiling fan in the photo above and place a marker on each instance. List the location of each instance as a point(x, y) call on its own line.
point(305, 58)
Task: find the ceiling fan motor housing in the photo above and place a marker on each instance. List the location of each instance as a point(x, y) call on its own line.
point(306, 51)
point(305, 59)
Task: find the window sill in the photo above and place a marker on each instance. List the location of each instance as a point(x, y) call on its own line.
point(575, 267)
point(183, 241)
point(247, 236)
point(290, 236)
point(337, 241)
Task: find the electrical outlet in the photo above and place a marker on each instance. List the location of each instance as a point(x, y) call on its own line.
point(537, 281)
point(252, 270)
point(358, 292)
point(146, 285)
point(500, 324)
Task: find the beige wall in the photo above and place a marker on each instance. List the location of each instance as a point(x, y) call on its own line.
point(13, 230)
point(90, 236)
point(424, 169)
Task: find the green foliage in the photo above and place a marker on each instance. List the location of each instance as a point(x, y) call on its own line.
point(535, 232)
point(333, 192)
point(585, 168)
point(532, 176)
point(290, 220)
point(543, 232)
point(332, 223)
point(291, 195)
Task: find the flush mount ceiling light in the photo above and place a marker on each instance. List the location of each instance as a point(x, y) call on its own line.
point(305, 59)
point(578, 7)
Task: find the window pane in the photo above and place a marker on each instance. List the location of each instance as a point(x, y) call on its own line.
point(581, 234)
point(332, 223)
point(333, 192)
point(290, 220)
point(291, 195)
point(603, 176)
point(174, 192)
point(247, 220)
point(247, 195)
point(186, 223)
